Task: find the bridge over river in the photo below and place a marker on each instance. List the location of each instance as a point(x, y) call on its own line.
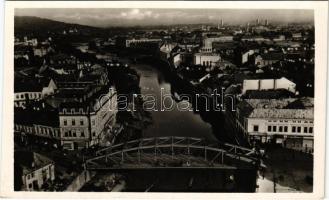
point(181, 155)
point(172, 152)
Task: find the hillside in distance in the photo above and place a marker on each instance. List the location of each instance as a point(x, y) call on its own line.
point(37, 26)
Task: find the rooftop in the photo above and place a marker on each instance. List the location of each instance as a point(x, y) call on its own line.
point(288, 108)
point(30, 161)
point(283, 113)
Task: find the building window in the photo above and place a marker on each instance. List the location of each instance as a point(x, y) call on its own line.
point(82, 134)
point(30, 185)
point(22, 96)
point(81, 122)
point(286, 129)
point(280, 128)
point(73, 122)
point(74, 134)
point(310, 130)
point(65, 122)
point(256, 128)
point(293, 129)
point(274, 128)
point(299, 129)
point(32, 174)
point(94, 134)
point(305, 129)
point(66, 134)
point(269, 128)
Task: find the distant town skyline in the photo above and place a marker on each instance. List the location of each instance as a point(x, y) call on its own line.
point(106, 17)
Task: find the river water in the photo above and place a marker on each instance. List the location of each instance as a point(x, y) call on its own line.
point(173, 122)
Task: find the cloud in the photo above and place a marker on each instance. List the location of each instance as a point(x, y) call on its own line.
point(138, 14)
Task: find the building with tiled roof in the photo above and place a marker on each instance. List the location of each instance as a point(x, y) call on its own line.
point(35, 170)
point(278, 120)
point(74, 117)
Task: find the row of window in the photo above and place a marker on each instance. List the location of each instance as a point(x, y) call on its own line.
point(284, 129)
point(44, 170)
point(207, 63)
point(72, 110)
point(73, 134)
point(29, 176)
point(39, 130)
point(31, 95)
point(297, 129)
point(73, 123)
point(280, 129)
point(43, 130)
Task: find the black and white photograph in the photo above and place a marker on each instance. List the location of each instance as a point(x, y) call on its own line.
point(138, 99)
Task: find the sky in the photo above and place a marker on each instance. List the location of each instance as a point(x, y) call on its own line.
point(106, 17)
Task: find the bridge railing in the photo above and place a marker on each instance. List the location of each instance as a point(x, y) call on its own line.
point(178, 146)
point(174, 139)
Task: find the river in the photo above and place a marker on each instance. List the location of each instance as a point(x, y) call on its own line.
point(174, 122)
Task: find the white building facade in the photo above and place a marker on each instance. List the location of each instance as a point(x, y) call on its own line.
point(272, 120)
point(206, 59)
point(268, 84)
